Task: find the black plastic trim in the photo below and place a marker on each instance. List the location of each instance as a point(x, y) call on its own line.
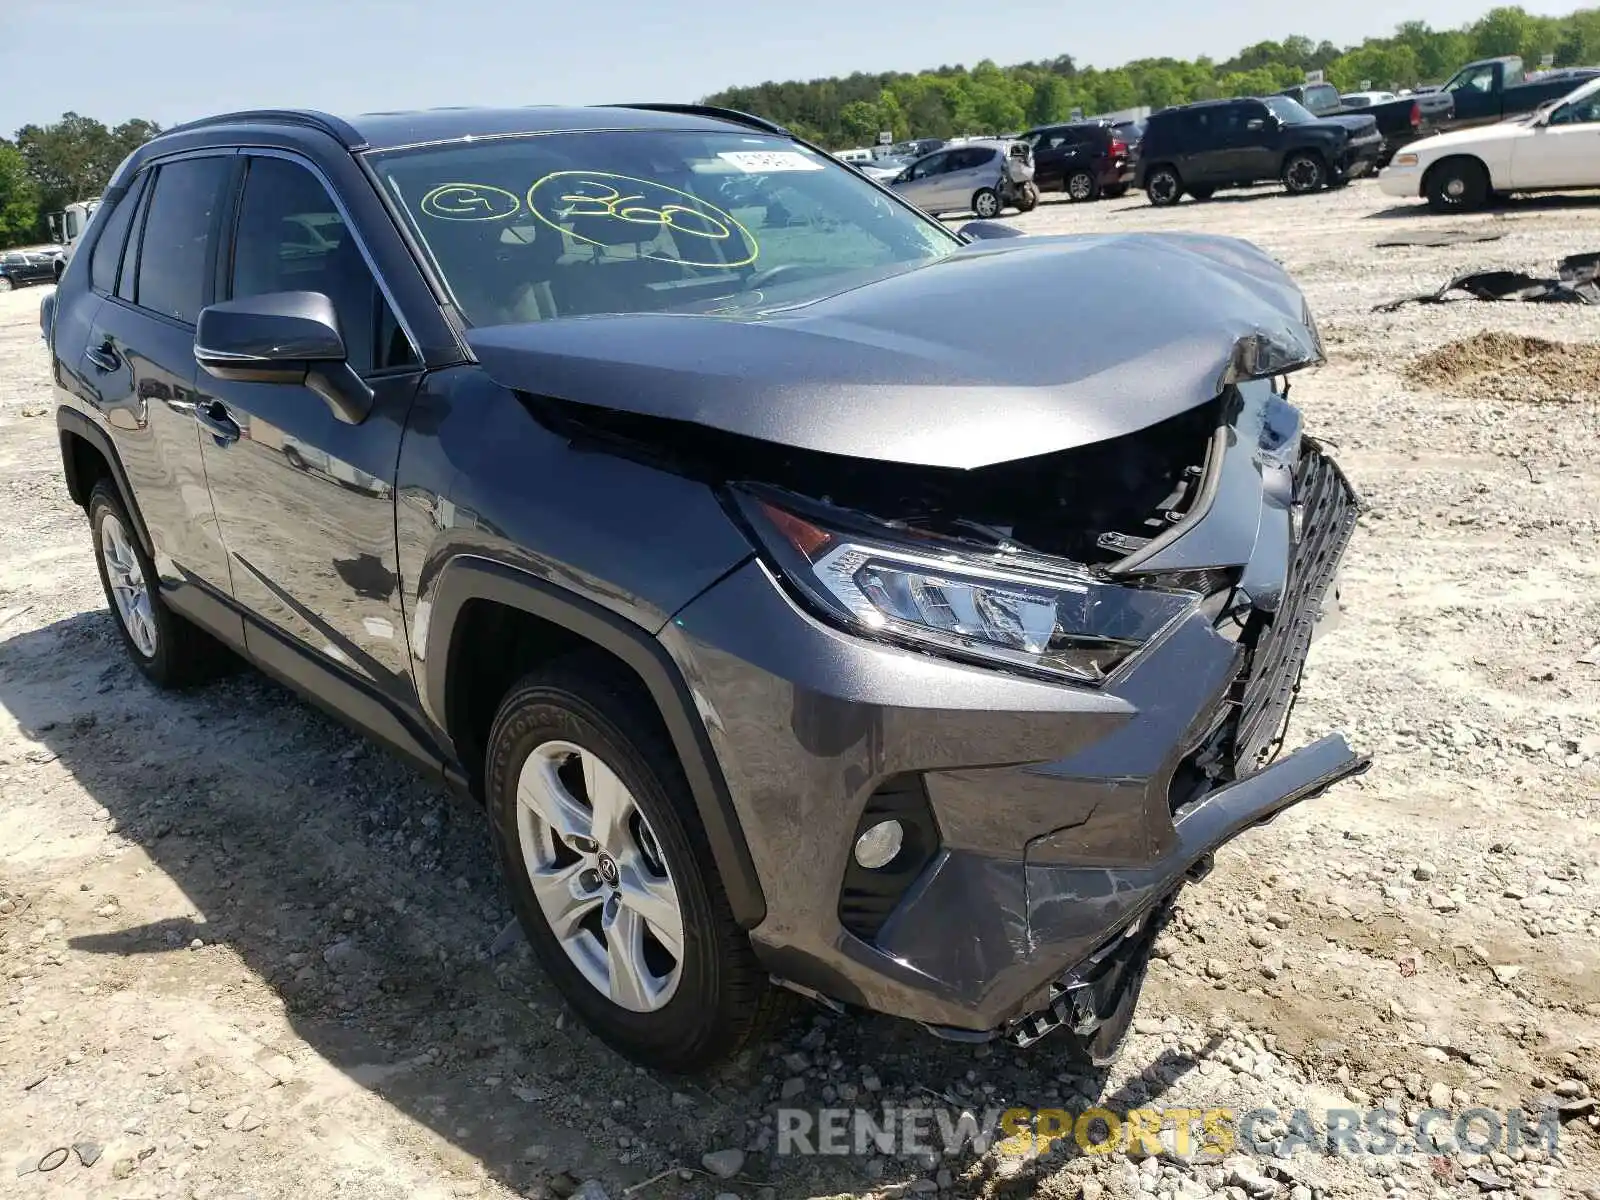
point(341, 131)
point(468, 577)
point(71, 421)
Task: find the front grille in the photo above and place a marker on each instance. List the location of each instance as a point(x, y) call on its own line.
point(1329, 508)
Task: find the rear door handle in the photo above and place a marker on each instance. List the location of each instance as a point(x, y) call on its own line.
point(214, 419)
point(104, 357)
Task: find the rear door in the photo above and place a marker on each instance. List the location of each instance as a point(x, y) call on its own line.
point(138, 366)
point(1204, 153)
point(305, 501)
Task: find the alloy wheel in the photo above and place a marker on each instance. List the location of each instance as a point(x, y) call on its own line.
point(129, 591)
point(1079, 187)
point(1304, 175)
point(986, 205)
point(599, 876)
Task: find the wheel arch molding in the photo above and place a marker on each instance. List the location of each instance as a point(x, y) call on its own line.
point(73, 427)
point(467, 578)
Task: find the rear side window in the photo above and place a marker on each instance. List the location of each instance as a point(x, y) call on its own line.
point(109, 245)
point(174, 254)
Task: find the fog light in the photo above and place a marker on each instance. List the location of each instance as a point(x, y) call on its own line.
point(877, 846)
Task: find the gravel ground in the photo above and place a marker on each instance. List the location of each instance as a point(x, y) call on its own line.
point(245, 954)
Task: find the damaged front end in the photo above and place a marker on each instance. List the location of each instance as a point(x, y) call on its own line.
point(1050, 669)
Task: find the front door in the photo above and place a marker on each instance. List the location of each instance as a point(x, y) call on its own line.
point(139, 367)
point(924, 177)
point(304, 501)
point(1563, 153)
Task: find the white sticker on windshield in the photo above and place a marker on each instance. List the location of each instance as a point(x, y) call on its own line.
point(764, 162)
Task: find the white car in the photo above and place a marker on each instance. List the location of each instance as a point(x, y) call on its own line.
point(1556, 148)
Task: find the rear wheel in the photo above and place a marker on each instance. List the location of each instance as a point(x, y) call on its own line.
point(169, 650)
point(610, 874)
point(986, 203)
point(1304, 173)
point(1457, 185)
point(1163, 186)
point(1081, 185)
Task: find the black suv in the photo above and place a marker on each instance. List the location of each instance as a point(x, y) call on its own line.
point(684, 497)
point(1085, 159)
point(19, 268)
point(1198, 148)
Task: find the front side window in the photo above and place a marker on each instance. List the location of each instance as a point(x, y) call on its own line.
point(1583, 108)
point(557, 225)
point(1478, 79)
point(290, 237)
point(174, 254)
point(1290, 112)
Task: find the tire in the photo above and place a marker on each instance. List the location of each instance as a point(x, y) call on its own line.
point(1028, 198)
point(1081, 186)
point(1457, 185)
point(293, 458)
point(1304, 173)
point(1202, 192)
point(5, 283)
point(1163, 186)
point(986, 204)
point(168, 650)
point(586, 717)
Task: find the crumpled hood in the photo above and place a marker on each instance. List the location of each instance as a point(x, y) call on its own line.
point(1004, 350)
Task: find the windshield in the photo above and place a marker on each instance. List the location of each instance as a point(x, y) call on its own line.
point(1290, 112)
point(575, 224)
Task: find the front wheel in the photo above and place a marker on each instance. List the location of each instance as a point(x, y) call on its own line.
point(610, 872)
point(1081, 185)
point(5, 283)
point(986, 203)
point(1163, 187)
point(1304, 173)
point(1027, 198)
point(1457, 185)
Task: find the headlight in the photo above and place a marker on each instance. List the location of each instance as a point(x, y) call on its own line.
point(1041, 615)
point(1405, 160)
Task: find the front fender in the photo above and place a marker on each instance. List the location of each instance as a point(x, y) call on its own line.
point(437, 624)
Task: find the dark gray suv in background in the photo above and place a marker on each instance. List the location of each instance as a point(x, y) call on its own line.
point(804, 620)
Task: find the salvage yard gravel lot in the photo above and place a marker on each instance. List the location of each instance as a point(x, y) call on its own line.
point(244, 954)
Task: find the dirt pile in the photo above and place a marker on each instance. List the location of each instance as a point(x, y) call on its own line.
point(1510, 366)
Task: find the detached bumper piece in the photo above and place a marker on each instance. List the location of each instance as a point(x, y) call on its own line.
point(1327, 511)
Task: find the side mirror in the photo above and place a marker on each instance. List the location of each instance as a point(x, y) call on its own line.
point(981, 231)
point(283, 337)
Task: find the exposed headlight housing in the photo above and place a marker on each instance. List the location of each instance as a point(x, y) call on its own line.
point(1405, 160)
point(1043, 616)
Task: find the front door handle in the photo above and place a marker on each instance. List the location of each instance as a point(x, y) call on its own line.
point(214, 419)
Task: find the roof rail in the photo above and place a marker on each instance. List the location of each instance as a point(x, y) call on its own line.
point(709, 110)
point(341, 131)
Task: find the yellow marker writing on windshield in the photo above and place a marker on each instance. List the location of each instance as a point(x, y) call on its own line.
point(563, 197)
point(470, 202)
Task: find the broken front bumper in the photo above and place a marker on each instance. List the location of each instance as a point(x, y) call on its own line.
point(1048, 818)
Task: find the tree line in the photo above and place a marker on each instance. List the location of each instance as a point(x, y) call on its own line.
point(954, 100)
point(45, 167)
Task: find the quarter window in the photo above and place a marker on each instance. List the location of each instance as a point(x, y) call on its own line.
point(109, 245)
point(174, 254)
point(291, 237)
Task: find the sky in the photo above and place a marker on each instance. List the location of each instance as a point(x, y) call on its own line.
point(173, 60)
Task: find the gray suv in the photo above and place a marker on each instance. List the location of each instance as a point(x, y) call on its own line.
point(803, 622)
